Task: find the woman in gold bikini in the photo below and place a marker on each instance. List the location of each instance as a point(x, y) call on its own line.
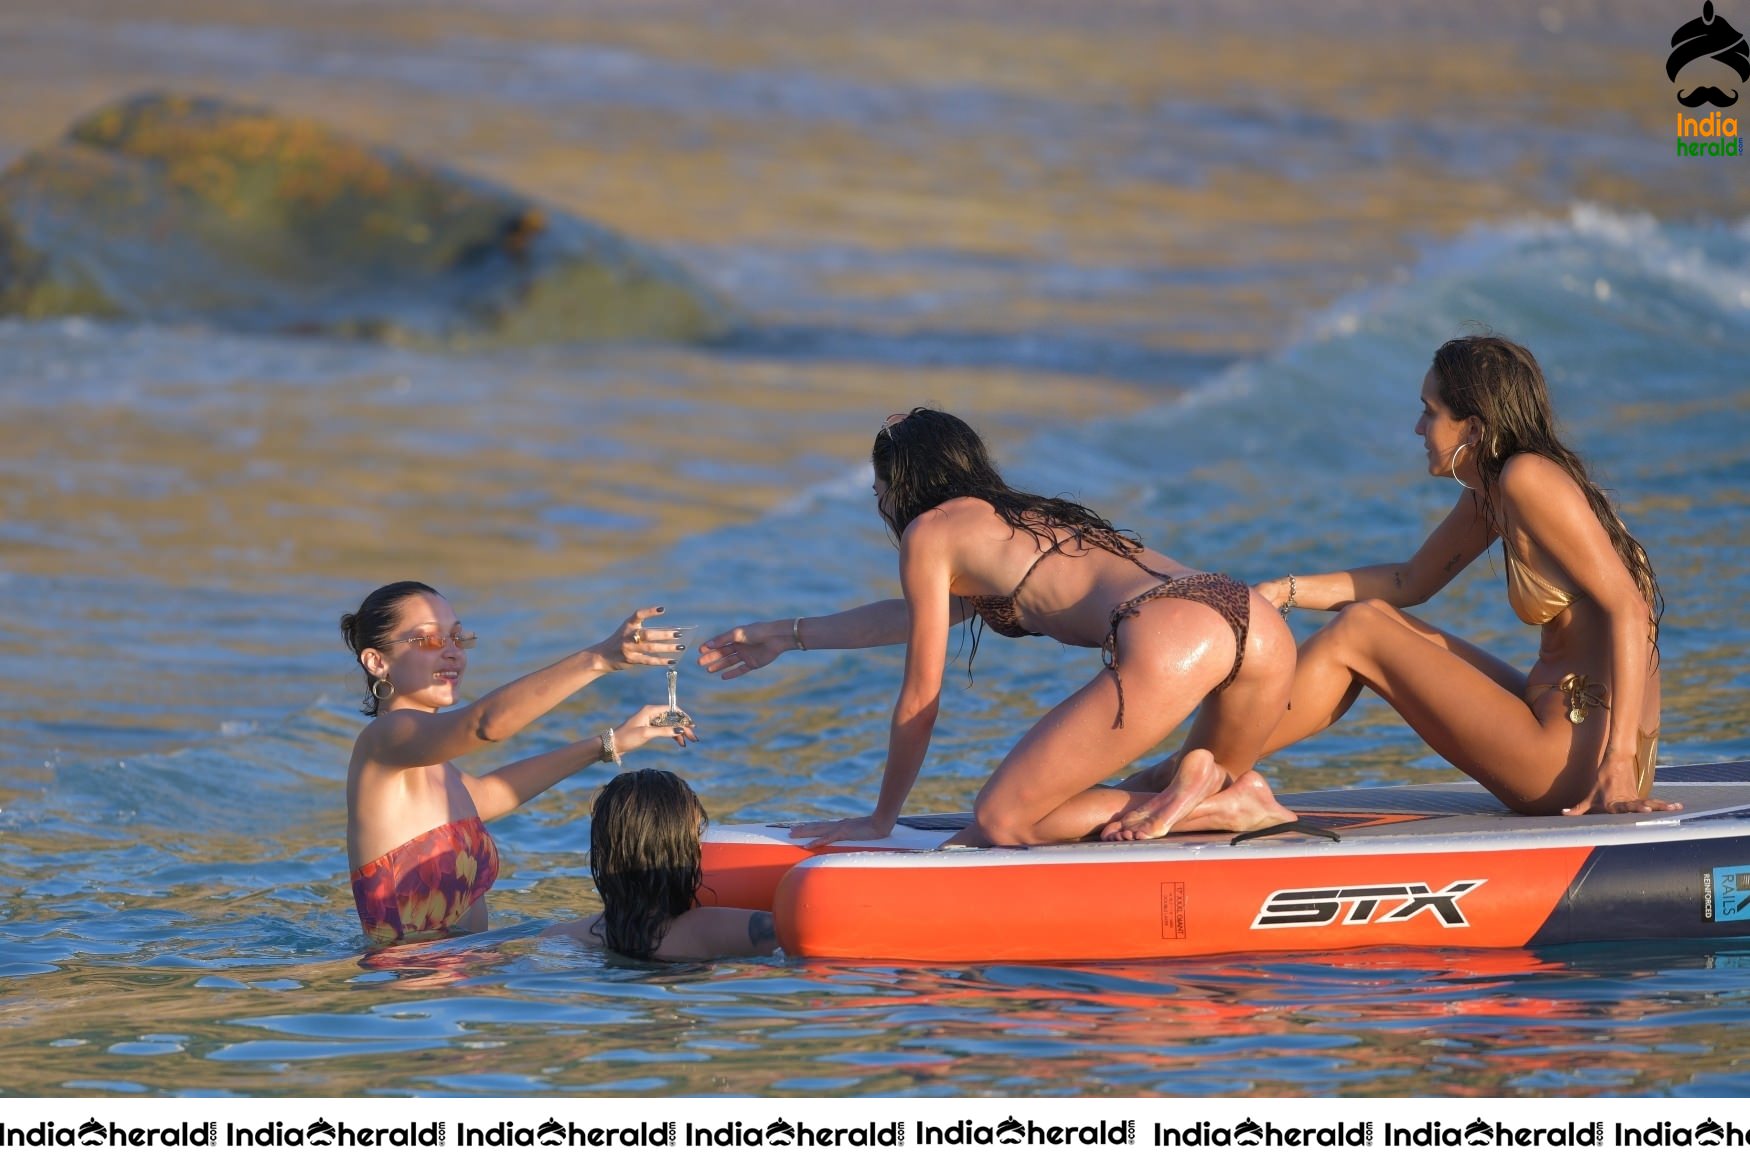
point(1578, 734)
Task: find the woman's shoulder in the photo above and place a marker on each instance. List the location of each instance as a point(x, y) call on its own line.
point(365, 763)
point(967, 512)
point(963, 509)
point(585, 931)
point(1539, 491)
point(373, 774)
point(717, 932)
point(384, 725)
point(387, 731)
point(1532, 471)
point(950, 520)
point(700, 933)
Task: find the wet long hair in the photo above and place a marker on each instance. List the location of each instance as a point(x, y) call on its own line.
point(928, 457)
point(645, 857)
point(1500, 384)
point(370, 625)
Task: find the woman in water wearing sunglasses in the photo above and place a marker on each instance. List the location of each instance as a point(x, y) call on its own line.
point(420, 855)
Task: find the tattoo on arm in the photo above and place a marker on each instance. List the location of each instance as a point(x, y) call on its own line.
point(1452, 563)
point(761, 930)
point(1397, 578)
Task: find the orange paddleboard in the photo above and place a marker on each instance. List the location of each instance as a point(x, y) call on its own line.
point(1416, 866)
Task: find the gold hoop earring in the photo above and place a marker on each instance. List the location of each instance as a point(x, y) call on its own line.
point(381, 688)
point(1453, 468)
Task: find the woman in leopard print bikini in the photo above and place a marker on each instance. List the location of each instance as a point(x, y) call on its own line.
point(1175, 642)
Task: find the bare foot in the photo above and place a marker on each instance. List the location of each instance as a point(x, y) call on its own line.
point(1197, 779)
point(1155, 778)
point(1247, 804)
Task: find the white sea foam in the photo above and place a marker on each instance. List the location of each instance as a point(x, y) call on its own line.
point(1344, 377)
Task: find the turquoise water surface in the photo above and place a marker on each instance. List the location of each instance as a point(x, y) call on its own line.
point(188, 513)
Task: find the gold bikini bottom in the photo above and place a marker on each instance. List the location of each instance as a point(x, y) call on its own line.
point(1582, 697)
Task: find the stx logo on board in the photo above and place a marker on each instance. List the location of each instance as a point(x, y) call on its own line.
point(1321, 906)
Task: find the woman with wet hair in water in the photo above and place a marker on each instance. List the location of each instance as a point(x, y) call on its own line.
point(645, 857)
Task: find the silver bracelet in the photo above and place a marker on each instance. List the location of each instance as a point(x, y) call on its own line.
point(609, 754)
point(1289, 602)
point(796, 634)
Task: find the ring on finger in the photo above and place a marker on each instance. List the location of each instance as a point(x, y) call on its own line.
point(637, 635)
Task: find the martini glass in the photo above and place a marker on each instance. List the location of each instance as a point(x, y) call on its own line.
point(672, 716)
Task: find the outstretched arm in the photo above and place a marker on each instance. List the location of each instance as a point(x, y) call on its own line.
point(740, 650)
point(1451, 547)
point(406, 739)
point(924, 574)
point(509, 786)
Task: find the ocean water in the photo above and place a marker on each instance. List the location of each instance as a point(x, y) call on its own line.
point(188, 512)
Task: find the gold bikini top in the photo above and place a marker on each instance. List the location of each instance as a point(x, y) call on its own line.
point(1535, 599)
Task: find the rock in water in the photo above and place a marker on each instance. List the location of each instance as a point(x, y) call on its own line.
point(179, 208)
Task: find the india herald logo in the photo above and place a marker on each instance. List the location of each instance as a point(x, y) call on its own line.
point(1711, 37)
point(1351, 906)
